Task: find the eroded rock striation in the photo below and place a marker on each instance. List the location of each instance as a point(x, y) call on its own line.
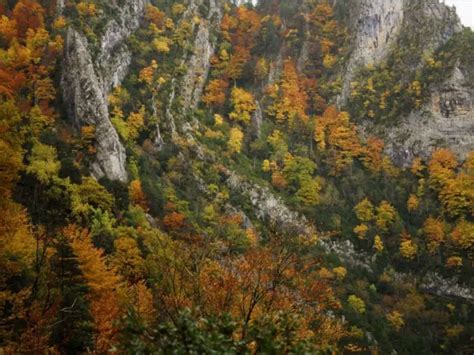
point(90, 72)
point(447, 120)
point(379, 27)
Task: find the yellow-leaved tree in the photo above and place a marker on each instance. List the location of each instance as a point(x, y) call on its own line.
point(235, 140)
point(243, 103)
point(292, 101)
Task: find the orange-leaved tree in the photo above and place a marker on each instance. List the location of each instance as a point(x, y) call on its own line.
point(104, 287)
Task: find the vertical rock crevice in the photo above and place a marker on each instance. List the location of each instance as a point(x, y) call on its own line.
point(87, 80)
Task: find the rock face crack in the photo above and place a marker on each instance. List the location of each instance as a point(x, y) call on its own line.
point(447, 119)
point(87, 80)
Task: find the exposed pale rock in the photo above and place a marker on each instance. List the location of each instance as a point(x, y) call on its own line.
point(268, 207)
point(59, 7)
point(257, 120)
point(87, 80)
point(376, 25)
point(191, 86)
point(86, 103)
point(203, 49)
point(446, 121)
point(441, 286)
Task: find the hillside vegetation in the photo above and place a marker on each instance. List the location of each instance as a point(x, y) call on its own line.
point(196, 177)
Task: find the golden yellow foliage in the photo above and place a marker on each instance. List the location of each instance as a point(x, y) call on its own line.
point(356, 303)
point(135, 123)
point(235, 140)
point(361, 231)
point(454, 262)
point(364, 210)
point(162, 44)
point(293, 100)
point(340, 272)
point(433, 230)
point(243, 103)
point(386, 215)
point(396, 320)
point(413, 203)
point(86, 9)
point(378, 244)
point(408, 249)
point(463, 235)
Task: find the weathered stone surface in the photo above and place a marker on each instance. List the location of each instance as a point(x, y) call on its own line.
point(257, 120)
point(268, 207)
point(377, 26)
point(86, 103)
point(199, 62)
point(438, 285)
point(446, 121)
point(87, 80)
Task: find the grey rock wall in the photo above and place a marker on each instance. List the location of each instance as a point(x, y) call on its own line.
point(378, 27)
point(446, 121)
point(90, 72)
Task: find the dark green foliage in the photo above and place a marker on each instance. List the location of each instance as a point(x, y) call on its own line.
point(73, 329)
point(185, 335)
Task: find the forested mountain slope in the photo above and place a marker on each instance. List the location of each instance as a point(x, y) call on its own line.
point(202, 176)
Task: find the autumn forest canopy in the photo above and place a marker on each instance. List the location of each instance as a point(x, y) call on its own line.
point(200, 177)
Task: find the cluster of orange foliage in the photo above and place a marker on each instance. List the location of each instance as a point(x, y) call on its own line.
point(336, 134)
point(28, 56)
point(137, 196)
point(103, 286)
point(241, 31)
point(109, 293)
point(262, 282)
point(291, 98)
point(455, 188)
point(215, 93)
point(326, 35)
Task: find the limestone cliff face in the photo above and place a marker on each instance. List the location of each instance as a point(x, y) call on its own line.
point(448, 119)
point(86, 102)
point(377, 25)
point(199, 62)
point(87, 80)
point(188, 89)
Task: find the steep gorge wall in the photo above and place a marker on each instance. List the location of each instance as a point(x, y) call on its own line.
point(199, 62)
point(87, 80)
point(447, 120)
point(376, 25)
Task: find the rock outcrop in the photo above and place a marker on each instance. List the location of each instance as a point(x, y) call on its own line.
point(86, 102)
point(269, 208)
point(446, 121)
point(378, 28)
point(90, 72)
point(199, 62)
point(440, 286)
point(377, 25)
point(190, 87)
